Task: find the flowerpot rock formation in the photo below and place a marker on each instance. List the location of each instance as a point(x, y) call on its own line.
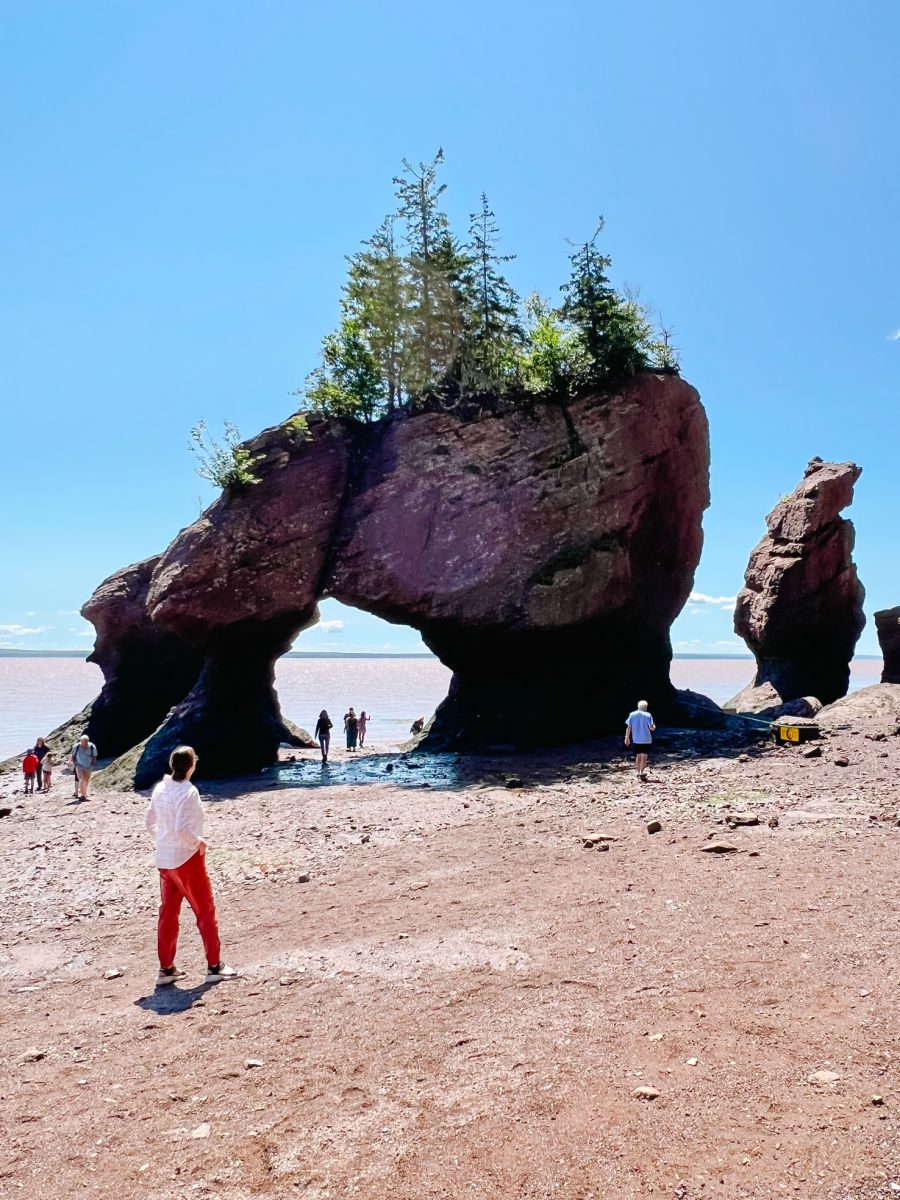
point(542, 553)
point(801, 609)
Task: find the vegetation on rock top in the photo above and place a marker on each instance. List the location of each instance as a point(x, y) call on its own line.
point(427, 319)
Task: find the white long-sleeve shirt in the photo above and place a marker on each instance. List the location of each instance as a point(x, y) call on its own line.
point(175, 818)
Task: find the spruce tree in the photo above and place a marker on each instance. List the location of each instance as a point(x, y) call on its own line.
point(613, 328)
point(495, 333)
point(432, 316)
point(376, 295)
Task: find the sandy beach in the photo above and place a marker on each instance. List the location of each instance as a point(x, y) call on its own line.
point(446, 994)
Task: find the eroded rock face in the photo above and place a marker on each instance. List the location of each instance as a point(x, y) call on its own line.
point(543, 556)
point(146, 668)
point(887, 622)
point(800, 611)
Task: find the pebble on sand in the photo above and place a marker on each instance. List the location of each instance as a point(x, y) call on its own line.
point(645, 1093)
point(718, 848)
point(824, 1077)
point(202, 1131)
point(654, 826)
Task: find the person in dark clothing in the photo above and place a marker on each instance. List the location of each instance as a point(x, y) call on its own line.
point(323, 734)
point(351, 728)
point(40, 749)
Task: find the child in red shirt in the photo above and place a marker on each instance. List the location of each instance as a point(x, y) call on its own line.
point(29, 769)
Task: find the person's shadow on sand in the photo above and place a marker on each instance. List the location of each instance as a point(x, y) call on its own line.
point(173, 999)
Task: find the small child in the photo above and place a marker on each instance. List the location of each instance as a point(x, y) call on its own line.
point(29, 770)
point(47, 770)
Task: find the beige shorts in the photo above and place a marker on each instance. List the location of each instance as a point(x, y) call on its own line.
point(84, 774)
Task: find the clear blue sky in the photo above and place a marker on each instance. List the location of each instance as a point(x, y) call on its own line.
point(179, 184)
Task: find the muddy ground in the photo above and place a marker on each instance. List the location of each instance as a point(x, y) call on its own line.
point(462, 1000)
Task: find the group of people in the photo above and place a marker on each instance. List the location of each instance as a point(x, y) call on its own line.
point(354, 730)
point(175, 819)
point(38, 764)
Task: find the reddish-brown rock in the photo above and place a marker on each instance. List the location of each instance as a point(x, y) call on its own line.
point(800, 611)
point(543, 555)
point(887, 622)
point(146, 667)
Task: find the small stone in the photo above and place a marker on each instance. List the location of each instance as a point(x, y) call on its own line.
point(691, 1062)
point(841, 761)
point(113, 973)
point(589, 843)
point(514, 781)
point(773, 821)
point(33, 1055)
point(737, 819)
point(202, 1131)
point(812, 752)
point(5, 812)
point(823, 1077)
point(743, 758)
point(654, 1037)
point(603, 845)
point(654, 826)
point(249, 1064)
point(287, 980)
point(303, 877)
point(718, 848)
point(645, 1093)
point(878, 1101)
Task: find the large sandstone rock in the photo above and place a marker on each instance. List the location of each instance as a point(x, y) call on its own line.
point(762, 700)
point(887, 622)
point(146, 668)
point(800, 611)
point(543, 555)
point(873, 710)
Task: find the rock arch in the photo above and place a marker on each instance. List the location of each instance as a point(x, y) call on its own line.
point(542, 553)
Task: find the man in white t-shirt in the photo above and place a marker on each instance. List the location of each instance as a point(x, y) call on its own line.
point(638, 734)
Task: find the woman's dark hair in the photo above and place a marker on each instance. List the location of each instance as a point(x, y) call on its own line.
point(323, 715)
point(180, 762)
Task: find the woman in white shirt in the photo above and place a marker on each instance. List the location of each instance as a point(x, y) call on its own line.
point(175, 819)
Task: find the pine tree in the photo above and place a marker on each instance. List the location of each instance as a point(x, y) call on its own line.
point(495, 332)
point(432, 314)
point(349, 382)
point(375, 294)
point(590, 299)
point(614, 329)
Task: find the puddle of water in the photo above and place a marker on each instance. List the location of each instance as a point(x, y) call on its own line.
point(437, 770)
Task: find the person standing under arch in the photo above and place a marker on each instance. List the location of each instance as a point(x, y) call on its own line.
point(351, 728)
point(323, 734)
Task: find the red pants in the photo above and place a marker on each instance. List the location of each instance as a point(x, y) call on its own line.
point(188, 882)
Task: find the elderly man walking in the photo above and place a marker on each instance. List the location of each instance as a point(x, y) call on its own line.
point(638, 734)
point(84, 756)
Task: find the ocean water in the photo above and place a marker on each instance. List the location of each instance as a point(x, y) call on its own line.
point(37, 694)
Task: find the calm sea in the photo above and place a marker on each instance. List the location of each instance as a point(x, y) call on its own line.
point(37, 694)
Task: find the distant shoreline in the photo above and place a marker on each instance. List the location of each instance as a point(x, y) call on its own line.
point(8, 653)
